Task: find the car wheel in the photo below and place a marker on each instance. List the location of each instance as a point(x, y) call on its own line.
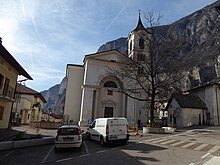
point(102, 142)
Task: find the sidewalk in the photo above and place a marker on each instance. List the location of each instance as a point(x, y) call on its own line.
point(24, 132)
point(25, 136)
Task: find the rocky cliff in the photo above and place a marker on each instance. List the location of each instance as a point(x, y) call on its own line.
point(55, 97)
point(202, 31)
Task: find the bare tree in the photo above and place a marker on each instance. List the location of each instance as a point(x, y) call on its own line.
point(154, 72)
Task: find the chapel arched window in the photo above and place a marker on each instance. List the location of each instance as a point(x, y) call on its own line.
point(110, 84)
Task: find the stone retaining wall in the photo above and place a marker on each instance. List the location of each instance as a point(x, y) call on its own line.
point(45, 124)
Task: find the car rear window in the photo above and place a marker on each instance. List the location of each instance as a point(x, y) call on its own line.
point(68, 131)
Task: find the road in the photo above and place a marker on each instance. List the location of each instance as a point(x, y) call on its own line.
point(191, 148)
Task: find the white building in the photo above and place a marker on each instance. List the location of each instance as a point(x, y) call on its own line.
point(210, 94)
point(92, 92)
point(186, 110)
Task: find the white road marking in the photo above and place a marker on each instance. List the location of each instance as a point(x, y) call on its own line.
point(169, 141)
point(61, 160)
point(178, 143)
point(84, 155)
point(158, 141)
point(6, 155)
point(149, 140)
point(204, 156)
point(213, 149)
point(187, 145)
point(200, 147)
point(116, 148)
point(100, 151)
point(46, 156)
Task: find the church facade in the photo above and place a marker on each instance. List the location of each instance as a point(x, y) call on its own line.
point(92, 92)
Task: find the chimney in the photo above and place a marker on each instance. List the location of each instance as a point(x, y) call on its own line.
point(0, 40)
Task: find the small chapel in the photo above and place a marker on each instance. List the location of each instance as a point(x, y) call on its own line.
point(94, 93)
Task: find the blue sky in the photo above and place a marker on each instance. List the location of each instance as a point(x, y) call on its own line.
point(46, 35)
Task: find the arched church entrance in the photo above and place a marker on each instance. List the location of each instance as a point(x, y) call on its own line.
point(110, 97)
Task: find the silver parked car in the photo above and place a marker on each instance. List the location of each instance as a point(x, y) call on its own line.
point(68, 136)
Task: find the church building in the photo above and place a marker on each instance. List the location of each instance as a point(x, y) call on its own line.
point(93, 93)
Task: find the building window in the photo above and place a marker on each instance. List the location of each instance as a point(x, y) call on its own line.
point(110, 84)
point(141, 43)
point(208, 116)
point(171, 118)
point(131, 46)
point(141, 57)
point(140, 70)
point(6, 86)
point(1, 81)
point(110, 92)
point(1, 112)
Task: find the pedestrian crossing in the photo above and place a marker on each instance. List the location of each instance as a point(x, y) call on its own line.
point(205, 147)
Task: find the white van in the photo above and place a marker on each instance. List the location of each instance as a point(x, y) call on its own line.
point(107, 130)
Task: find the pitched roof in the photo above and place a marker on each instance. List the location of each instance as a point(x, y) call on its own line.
point(139, 26)
point(21, 89)
point(188, 101)
point(102, 52)
point(10, 59)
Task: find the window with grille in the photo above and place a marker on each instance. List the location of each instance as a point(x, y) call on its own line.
point(1, 81)
point(1, 112)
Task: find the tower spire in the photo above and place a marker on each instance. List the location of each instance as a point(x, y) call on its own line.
point(139, 26)
point(139, 13)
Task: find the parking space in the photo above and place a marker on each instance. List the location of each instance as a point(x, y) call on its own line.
point(46, 153)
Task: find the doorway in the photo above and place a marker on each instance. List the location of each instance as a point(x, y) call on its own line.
point(108, 112)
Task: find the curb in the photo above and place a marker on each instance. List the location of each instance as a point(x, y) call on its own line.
point(7, 145)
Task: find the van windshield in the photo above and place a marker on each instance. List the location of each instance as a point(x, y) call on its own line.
point(68, 131)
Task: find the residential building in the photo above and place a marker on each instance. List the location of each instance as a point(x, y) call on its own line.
point(210, 94)
point(28, 105)
point(92, 92)
point(47, 116)
point(9, 71)
point(186, 110)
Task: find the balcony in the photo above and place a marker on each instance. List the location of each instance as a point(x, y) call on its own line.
point(7, 93)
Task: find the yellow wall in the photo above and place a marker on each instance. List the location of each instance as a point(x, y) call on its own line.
point(7, 71)
point(26, 106)
point(6, 114)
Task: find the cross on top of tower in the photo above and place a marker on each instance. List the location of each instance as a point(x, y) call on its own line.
point(139, 11)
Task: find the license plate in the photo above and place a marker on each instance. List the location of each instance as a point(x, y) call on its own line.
point(68, 139)
point(113, 137)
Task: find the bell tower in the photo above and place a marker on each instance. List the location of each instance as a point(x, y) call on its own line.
point(138, 42)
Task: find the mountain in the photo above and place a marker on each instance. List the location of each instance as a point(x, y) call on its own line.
point(202, 31)
point(120, 44)
point(55, 97)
